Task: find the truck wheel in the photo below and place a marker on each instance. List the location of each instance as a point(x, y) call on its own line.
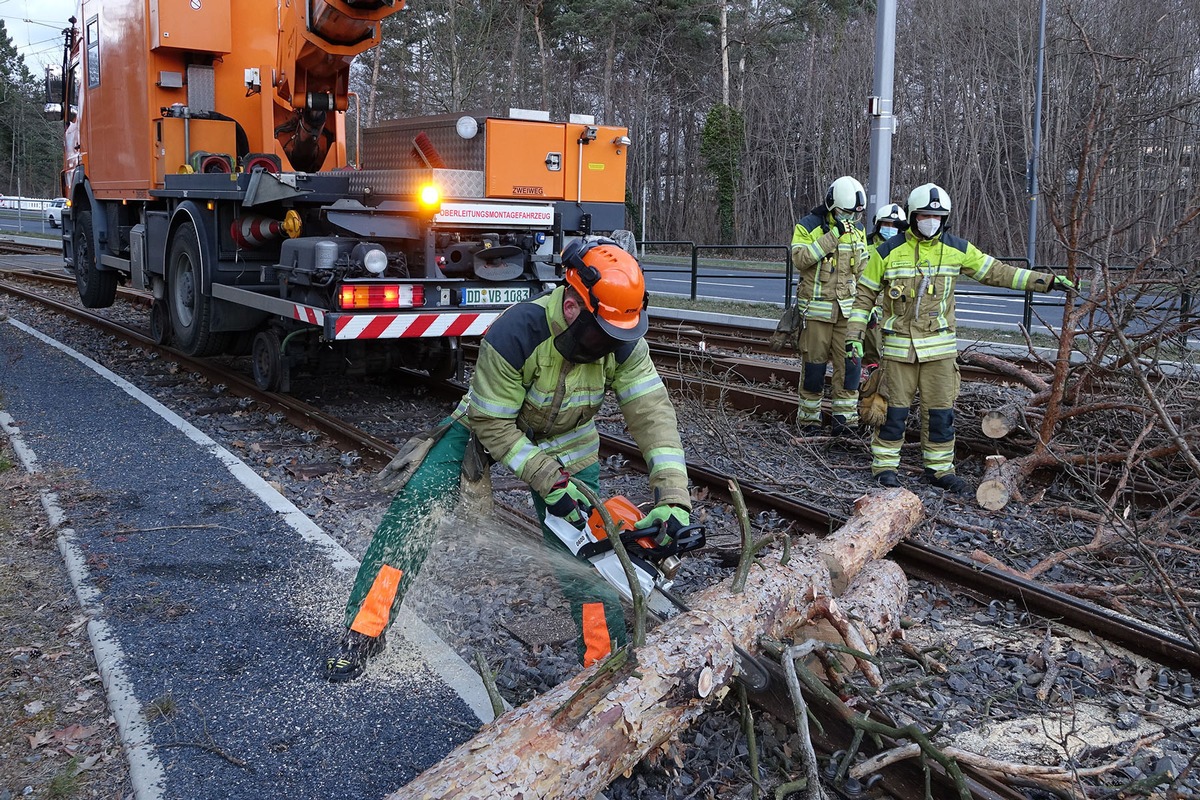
point(191, 310)
point(97, 289)
point(267, 360)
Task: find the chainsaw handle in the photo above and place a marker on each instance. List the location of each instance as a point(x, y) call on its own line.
point(687, 538)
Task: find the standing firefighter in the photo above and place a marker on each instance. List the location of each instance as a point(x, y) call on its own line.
point(829, 247)
point(916, 274)
point(540, 378)
point(889, 221)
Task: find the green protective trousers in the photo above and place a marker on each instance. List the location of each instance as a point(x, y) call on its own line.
point(937, 382)
point(404, 536)
point(595, 603)
point(402, 540)
point(821, 343)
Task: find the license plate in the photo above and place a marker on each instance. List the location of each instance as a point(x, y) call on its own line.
point(494, 296)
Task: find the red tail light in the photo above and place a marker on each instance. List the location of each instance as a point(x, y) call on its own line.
point(360, 296)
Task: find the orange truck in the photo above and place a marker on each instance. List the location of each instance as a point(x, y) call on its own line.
point(206, 162)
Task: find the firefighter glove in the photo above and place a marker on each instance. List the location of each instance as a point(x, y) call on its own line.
point(854, 349)
point(672, 519)
point(840, 226)
point(566, 501)
point(1063, 283)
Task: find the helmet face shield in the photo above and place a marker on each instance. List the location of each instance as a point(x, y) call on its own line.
point(585, 340)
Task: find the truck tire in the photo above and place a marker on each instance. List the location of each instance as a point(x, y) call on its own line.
point(191, 310)
point(97, 288)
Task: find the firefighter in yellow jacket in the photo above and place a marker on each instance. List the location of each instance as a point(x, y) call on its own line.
point(829, 248)
point(540, 379)
point(916, 274)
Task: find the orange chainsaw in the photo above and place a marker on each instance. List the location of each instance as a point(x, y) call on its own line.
point(654, 554)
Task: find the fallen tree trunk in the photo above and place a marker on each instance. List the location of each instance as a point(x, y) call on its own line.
point(575, 739)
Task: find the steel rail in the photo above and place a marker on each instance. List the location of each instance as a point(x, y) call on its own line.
point(933, 562)
point(299, 413)
point(942, 565)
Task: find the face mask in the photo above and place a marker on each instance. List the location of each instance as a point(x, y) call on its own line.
point(584, 341)
point(887, 231)
point(928, 227)
point(847, 216)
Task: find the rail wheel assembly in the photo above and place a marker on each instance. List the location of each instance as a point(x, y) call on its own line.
point(160, 322)
point(271, 369)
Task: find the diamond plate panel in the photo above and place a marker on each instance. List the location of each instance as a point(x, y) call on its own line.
point(390, 145)
point(404, 183)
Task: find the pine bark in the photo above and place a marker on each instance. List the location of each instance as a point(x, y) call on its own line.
point(575, 739)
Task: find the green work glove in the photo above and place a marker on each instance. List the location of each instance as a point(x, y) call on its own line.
point(1063, 283)
point(672, 518)
point(854, 349)
point(566, 501)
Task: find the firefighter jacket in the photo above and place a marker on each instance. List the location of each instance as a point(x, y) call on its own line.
point(533, 410)
point(829, 265)
point(915, 279)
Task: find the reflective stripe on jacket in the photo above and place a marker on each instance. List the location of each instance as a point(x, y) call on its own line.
point(534, 411)
point(914, 280)
point(828, 265)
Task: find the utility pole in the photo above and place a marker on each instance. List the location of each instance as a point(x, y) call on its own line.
point(879, 106)
point(1034, 188)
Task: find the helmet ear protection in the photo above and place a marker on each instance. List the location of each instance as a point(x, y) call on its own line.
point(572, 258)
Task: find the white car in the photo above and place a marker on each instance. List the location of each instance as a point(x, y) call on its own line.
point(54, 212)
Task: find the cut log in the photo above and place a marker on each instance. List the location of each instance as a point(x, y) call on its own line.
point(1000, 422)
point(575, 739)
point(1000, 482)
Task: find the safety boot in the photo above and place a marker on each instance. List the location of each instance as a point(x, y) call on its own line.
point(352, 655)
point(842, 430)
point(888, 479)
point(810, 429)
point(948, 482)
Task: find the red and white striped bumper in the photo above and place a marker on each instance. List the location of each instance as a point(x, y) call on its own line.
point(397, 326)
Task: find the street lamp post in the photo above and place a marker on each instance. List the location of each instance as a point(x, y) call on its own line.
point(879, 106)
point(1034, 188)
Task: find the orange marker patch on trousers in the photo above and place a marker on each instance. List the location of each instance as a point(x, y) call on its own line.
point(595, 634)
point(372, 617)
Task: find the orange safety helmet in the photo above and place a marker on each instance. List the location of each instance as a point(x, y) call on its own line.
point(612, 286)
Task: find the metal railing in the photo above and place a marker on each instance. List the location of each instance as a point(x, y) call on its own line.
point(695, 274)
point(789, 280)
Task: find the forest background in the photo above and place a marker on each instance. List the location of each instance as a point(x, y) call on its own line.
point(741, 113)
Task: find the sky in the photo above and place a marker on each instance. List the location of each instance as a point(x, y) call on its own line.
point(35, 27)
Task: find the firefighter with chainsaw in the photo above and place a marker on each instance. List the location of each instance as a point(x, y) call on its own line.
point(914, 275)
point(541, 375)
point(829, 248)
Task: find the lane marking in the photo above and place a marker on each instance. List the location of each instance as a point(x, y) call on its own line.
point(705, 283)
point(438, 655)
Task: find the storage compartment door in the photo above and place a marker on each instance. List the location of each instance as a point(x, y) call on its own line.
point(195, 25)
point(525, 159)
